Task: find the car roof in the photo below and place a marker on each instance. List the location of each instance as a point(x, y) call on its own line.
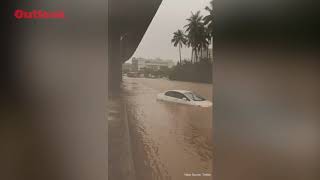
point(180, 91)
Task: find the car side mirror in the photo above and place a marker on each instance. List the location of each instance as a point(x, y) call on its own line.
point(185, 99)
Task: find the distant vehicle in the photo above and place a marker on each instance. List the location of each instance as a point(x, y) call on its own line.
point(184, 97)
point(133, 74)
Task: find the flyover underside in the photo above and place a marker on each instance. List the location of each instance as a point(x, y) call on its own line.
point(128, 21)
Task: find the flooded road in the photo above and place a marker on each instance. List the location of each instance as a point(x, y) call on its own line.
point(169, 141)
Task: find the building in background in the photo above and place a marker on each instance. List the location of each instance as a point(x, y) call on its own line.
point(126, 67)
point(139, 64)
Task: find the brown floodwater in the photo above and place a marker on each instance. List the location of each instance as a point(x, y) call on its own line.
point(169, 141)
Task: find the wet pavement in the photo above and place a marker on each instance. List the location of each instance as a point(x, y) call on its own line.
point(168, 141)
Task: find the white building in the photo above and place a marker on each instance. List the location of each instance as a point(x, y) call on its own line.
point(126, 67)
point(155, 64)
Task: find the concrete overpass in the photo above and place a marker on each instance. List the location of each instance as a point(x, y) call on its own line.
point(128, 21)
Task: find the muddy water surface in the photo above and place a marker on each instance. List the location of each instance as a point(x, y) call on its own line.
point(169, 141)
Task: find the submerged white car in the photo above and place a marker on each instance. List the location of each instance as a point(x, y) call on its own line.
point(184, 97)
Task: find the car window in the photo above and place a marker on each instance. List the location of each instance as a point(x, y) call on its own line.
point(194, 97)
point(184, 96)
point(173, 94)
point(177, 95)
point(169, 93)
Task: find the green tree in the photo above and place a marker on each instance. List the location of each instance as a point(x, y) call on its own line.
point(179, 39)
point(192, 30)
point(196, 34)
point(203, 40)
point(209, 21)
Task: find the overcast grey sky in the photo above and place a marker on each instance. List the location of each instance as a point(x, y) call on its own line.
point(170, 17)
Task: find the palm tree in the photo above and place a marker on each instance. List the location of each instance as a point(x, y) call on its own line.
point(209, 20)
point(190, 44)
point(179, 39)
point(203, 39)
point(193, 29)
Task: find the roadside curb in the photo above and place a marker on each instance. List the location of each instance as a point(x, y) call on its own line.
point(131, 163)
